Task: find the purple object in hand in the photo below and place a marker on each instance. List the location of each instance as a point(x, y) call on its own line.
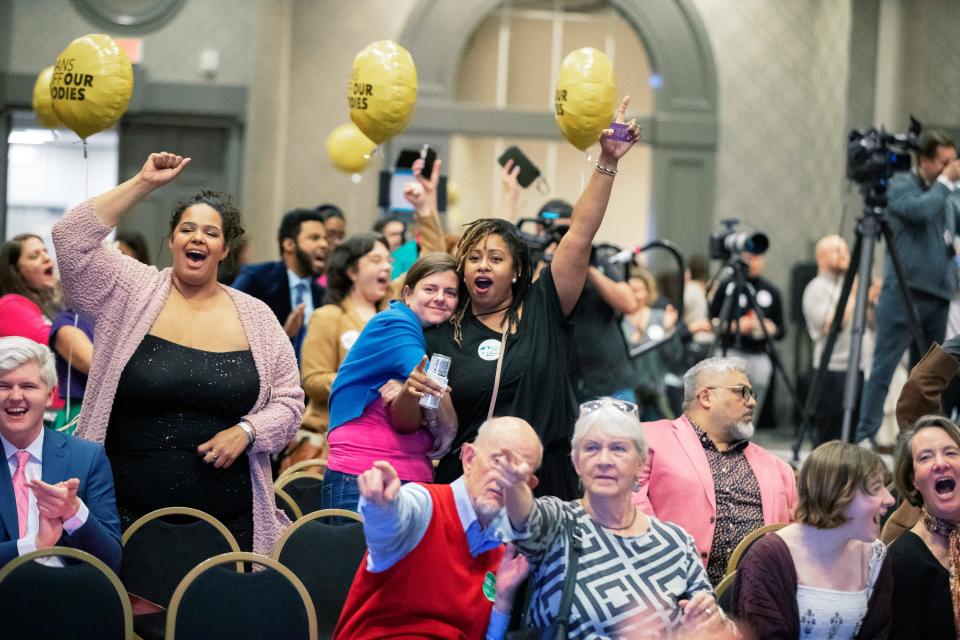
point(621, 131)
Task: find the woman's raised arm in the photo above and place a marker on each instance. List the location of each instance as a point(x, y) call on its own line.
point(571, 259)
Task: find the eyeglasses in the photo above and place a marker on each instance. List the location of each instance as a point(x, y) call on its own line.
point(621, 405)
point(746, 392)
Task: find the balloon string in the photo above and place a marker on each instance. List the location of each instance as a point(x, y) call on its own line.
point(86, 177)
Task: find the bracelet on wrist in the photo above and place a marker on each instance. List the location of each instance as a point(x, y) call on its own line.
point(248, 429)
point(607, 171)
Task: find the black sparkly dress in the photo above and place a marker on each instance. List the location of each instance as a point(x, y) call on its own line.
point(171, 399)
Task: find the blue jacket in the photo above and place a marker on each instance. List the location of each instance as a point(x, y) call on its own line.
point(66, 457)
point(268, 281)
point(918, 217)
point(389, 347)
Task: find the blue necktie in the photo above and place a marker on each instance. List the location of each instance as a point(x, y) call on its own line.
point(299, 295)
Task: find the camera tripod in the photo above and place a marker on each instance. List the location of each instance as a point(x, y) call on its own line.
point(728, 318)
point(869, 227)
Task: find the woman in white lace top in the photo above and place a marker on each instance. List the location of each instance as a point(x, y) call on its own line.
point(825, 576)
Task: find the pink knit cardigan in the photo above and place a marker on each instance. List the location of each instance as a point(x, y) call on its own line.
point(125, 297)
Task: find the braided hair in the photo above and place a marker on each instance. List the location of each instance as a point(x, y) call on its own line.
point(474, 233)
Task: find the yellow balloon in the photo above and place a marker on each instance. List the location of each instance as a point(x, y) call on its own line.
point(349, 149)
point(382, 90)
point(91, 85)
point(42, 106)
point(585, 97)
point(453, 192)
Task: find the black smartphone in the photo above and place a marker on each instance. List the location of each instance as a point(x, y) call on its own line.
point(528, 170)
point(408, 156)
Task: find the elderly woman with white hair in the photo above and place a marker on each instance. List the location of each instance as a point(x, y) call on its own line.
point(598, 565)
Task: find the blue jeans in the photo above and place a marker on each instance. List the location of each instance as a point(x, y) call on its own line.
point(893, 338)
point(340, 491)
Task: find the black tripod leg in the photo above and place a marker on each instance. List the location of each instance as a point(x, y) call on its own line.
point(768, 345)
point(819, 375)
point(724, 321)
point(867, 229)
point(904, 290)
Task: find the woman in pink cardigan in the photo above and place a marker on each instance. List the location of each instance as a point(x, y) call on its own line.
point(188, 376)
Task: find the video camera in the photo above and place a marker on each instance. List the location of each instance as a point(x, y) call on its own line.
point(874, 156)
point(729, 242)
point(543, 235)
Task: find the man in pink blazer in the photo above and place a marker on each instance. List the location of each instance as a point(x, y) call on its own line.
point(704, 474)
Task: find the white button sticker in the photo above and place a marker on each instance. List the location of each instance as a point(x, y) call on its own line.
point(489, 349)
point(764, 298)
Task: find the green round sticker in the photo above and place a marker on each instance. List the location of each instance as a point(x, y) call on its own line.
point(490, 586)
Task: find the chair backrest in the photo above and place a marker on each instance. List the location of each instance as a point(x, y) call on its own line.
point(84, 598)
point(748, 540)
point(724, 592)
point(304, 487)
point(214, 602)
point(160, 548)
point(288, 504)
point(316, 465)
point(341, 547)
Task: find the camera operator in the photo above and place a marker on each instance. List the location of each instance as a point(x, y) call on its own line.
point(752, 346)
point(599, 365)
point(923, 221)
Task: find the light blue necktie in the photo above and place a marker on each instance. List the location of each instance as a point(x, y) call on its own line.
point(299, 295)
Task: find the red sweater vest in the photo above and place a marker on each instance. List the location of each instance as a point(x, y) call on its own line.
point(435, 591)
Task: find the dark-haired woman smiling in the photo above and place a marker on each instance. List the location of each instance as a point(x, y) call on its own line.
point(188, 376)
point(358, 283)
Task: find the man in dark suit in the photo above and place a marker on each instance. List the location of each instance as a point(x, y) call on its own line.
point(57, 490)
point(289, 286)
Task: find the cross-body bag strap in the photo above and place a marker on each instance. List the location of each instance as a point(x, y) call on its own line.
point(570, 578)
point(496, 378)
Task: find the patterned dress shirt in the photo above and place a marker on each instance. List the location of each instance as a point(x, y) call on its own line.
point(739, 509)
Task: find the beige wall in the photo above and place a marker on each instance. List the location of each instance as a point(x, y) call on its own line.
point(782, 78)
point(782, 70)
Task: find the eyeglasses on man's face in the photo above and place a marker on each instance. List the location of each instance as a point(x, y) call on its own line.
point(746, 391)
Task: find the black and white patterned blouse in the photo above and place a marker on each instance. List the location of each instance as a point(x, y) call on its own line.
point(626, 586)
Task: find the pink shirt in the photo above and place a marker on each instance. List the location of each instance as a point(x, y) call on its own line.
point(357, 444)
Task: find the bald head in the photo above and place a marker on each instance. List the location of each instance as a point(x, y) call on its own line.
point(511, 433)
point(833, 255)
point(497, 437)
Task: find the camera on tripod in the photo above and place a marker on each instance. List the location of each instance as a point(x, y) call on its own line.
point(874, 156)
point(729, 242)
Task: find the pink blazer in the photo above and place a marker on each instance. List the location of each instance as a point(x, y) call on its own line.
point(676, 484)
point(125, 297)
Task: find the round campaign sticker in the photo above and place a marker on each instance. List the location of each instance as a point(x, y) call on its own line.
point(655, 332)
point(347, 338)
point(764, 298)
point(490, 586)
point(489, 349)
